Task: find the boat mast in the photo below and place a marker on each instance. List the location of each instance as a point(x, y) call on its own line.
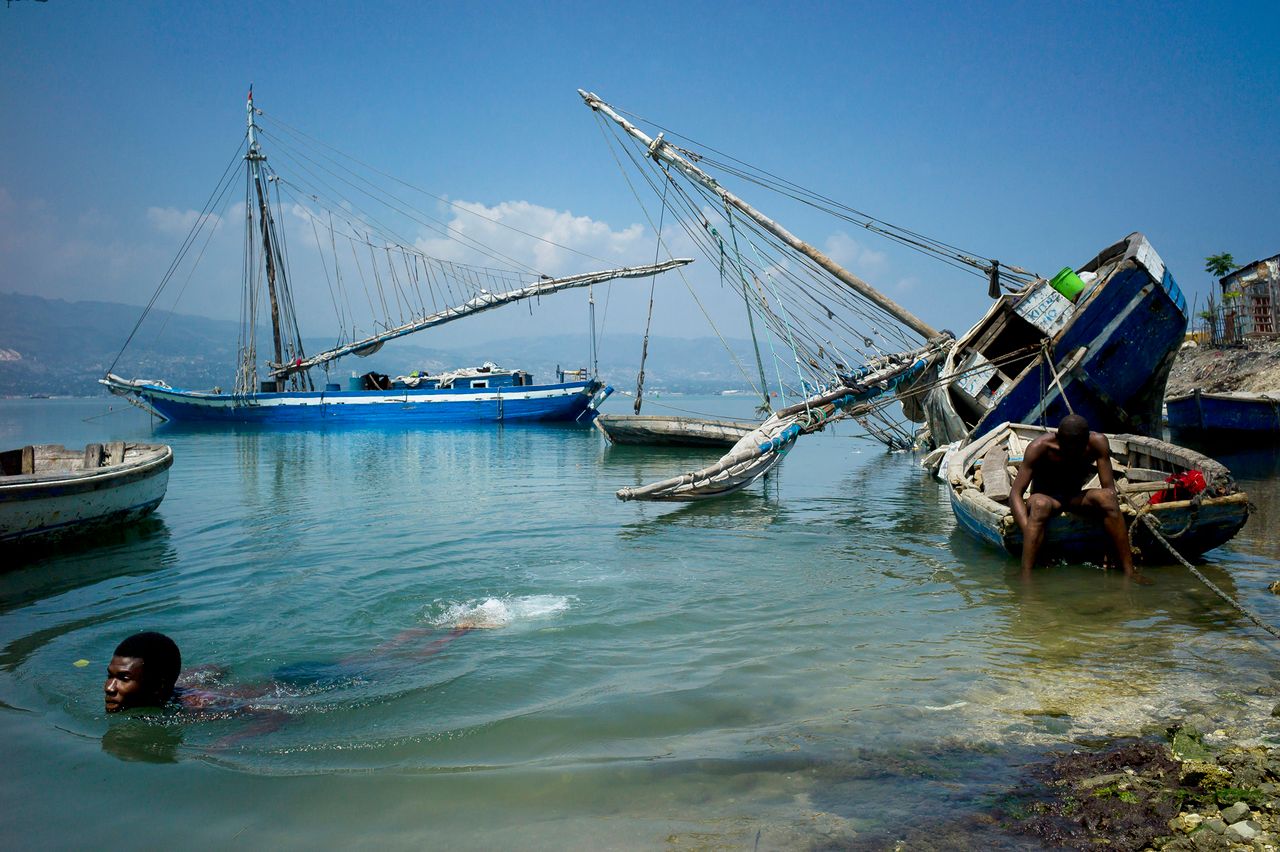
point(254, 158)
point(661, 150)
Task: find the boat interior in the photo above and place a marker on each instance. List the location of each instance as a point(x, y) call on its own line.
point(1141, 469)
point(55, 458)
point(1010, 338)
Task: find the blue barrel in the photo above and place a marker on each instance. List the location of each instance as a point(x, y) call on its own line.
point(355, 383)
point(332, 387)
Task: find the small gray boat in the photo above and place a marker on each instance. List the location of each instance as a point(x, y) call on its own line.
point(669, 431)
point(48, 492)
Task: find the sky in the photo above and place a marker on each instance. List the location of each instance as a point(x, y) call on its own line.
point(1034, 133)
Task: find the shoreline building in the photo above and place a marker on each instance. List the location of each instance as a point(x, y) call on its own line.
point(1250, 298)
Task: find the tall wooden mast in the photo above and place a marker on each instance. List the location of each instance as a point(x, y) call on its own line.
point(255, 157)
point(661, 150)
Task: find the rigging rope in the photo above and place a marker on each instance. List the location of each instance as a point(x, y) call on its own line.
point(653, 280)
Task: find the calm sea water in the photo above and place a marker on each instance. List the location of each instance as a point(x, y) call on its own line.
point(821, 660)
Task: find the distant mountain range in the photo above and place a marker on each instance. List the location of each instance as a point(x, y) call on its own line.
point(51, 346)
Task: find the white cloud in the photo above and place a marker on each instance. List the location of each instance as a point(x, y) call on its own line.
point(551, 241)
point(170, 220)
point(857, 258)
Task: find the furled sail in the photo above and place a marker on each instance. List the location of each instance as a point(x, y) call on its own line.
point(762, 450)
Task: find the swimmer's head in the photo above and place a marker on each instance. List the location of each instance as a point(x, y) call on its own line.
point(142, 672)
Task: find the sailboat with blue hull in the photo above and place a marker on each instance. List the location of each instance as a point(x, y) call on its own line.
point(494, 399)
point(407, 290)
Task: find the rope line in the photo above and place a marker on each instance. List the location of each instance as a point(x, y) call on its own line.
point(1153, 525)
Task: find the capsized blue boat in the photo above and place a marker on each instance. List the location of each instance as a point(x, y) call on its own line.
point(980, 498)
point(1237, 414)
point(1107, 352)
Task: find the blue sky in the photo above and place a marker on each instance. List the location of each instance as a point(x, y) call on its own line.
point(1037, 134)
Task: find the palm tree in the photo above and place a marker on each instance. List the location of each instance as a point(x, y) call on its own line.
point(1219, 265)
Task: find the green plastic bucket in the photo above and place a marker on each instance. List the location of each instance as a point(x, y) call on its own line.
point(1067, 283)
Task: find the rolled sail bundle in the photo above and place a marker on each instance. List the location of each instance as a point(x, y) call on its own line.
point(764, 448)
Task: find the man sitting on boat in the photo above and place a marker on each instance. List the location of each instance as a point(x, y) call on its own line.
point(1056, 467)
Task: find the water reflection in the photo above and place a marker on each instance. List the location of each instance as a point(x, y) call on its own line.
point(134, 740)
point(132, 550)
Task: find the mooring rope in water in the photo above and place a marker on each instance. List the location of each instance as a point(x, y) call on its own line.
point(1153, 525)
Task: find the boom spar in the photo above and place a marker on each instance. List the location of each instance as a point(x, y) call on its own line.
point(483, 302)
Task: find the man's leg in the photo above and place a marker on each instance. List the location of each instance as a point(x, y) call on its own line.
point(1040, 508)
point(1103, 502)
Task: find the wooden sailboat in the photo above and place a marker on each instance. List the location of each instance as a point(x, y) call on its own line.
point(1109, 345)
point(415, 291)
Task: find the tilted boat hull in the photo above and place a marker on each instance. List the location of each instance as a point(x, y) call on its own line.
point(1110, 359)
point(40, 509)
point(1254, 414)
point(1192, 527)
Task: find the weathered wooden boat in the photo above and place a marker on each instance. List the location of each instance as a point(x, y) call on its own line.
point(671, 431)
point(48, 491)
point(1237, 413)
point(980, 476)
point(407, 290)
point(1108, 351)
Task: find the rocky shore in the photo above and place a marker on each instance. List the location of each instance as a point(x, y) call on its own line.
point(1252, 367)
point(1188, 790)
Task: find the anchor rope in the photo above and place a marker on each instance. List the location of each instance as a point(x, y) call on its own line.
point(1153, 525)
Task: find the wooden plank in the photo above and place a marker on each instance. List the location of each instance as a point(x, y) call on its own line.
point(28, 459)
point(995, 478)
point(115, 453)
point(92, 456)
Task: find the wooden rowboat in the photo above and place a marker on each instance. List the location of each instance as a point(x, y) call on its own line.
point(981, 473)
point(1238, 413)
point(669, 431)
point(48, 492)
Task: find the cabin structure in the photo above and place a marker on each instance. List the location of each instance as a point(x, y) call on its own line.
point(1250, 301)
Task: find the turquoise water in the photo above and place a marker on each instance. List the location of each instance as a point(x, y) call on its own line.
point(811, 662)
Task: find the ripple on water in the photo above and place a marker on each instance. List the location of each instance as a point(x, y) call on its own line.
point(719, 670)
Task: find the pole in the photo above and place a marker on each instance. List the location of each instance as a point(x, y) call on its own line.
point(659, 149)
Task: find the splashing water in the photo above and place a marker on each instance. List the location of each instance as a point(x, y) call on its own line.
point(499, 612)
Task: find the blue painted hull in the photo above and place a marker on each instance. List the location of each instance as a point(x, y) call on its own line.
point(561, 402)
point(1256, 416)
point(1131, 330)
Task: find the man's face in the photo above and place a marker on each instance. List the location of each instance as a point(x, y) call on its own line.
point(1073, 446)
point(126, 685)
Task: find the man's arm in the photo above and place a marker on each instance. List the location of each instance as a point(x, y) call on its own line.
point(1102, 449)
point(1023, 481)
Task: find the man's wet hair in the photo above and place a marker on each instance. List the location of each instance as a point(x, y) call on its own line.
point(160, 653)
point(1074, 428)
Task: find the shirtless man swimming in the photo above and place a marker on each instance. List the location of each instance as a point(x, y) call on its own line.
point(144, 672)
point(1056, 467)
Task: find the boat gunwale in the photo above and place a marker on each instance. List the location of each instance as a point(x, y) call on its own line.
point(158, 457)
